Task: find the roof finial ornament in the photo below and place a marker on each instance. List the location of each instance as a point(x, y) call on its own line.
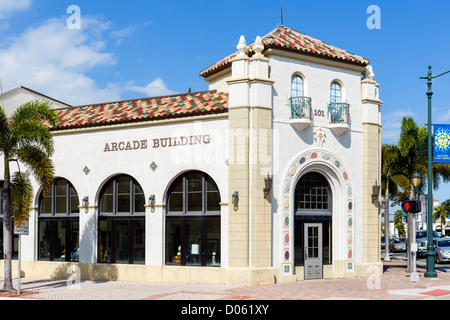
point(368, 74)
point(242, 46)
point(258, 47)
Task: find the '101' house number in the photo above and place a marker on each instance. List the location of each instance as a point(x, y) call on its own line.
point(319, 113)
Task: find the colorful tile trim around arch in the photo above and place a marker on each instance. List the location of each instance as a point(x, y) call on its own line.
point(328, 158)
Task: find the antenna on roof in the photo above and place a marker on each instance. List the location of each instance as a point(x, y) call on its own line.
point(281, 12)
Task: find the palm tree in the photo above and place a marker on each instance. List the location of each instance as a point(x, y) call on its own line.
point(413, 146)
point(390, 168)
point(398, 221)
point(24, 137)
point(440, 214)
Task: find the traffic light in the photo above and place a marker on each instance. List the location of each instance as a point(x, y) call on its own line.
point(411, 206)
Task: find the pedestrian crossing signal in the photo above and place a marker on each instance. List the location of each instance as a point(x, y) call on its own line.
point(411, 206)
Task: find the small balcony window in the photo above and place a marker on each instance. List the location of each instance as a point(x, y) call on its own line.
point(297, 87)
point(299, 105)
point(335, 93)
point(338, 112)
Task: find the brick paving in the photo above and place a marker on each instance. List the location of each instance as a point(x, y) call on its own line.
point(394, 284)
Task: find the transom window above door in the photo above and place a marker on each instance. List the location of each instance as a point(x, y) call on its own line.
point(193, 193)
point(122, 195)
point(312, 194)
point(62, 199)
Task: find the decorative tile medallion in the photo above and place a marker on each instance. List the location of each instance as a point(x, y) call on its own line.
point(153, 166)
point(86, 170)
point(286, 269)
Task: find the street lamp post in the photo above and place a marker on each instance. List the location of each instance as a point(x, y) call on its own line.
point(430, 273)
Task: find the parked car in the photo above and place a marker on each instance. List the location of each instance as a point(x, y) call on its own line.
point(442, 250)
point(397, 244)
point(422, 240)
point(382, 242)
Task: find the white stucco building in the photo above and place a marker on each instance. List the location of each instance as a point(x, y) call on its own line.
point(266, 177)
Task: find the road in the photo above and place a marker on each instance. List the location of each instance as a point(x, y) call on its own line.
point(443, 267)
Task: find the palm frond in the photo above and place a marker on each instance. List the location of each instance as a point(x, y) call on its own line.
point(21, 197)
point(29, 125)
point(39, 163)
point(34, 133)
point(403, 182)
point(36, 110)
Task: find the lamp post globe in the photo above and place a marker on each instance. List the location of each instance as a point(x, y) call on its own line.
point(416, 180)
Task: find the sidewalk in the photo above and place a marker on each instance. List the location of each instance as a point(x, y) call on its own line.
point(394, 284)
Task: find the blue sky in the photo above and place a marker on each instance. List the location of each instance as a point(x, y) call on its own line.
point(133, 49)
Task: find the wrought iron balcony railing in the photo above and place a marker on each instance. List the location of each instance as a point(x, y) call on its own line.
point(338, 113)
point(300, 107)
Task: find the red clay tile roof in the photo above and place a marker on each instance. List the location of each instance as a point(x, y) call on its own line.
point(156, 108)
point(288, 39)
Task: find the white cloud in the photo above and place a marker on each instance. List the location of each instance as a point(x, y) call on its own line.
point(120, 34)
point(8, 7)
point(55, 60)
point(155, 88)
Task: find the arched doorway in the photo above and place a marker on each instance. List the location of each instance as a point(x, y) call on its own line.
point(325, 170)
point(312, 224)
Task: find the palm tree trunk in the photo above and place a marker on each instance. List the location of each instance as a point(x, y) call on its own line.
point(7, 229)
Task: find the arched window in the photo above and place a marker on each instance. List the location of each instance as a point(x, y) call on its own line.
point(58, 228)
point(335, 93)
point(312, 204)
point(297, 87)
point(121, 235)
point(193, 221)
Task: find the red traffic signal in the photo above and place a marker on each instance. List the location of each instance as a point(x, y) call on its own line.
point(411, 206)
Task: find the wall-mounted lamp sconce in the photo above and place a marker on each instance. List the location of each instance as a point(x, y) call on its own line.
point(375, 191)
point(151, 201)
point(86, 203)
point(235, 200)
point(267, 186)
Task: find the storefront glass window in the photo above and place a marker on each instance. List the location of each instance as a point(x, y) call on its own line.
point(173, 242)
point(122, 222)
point(213, 243)
point(104, 239)
point(193, 221)
point(58, 226)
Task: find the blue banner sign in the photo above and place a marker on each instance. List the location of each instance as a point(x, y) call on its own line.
point(441, 143)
